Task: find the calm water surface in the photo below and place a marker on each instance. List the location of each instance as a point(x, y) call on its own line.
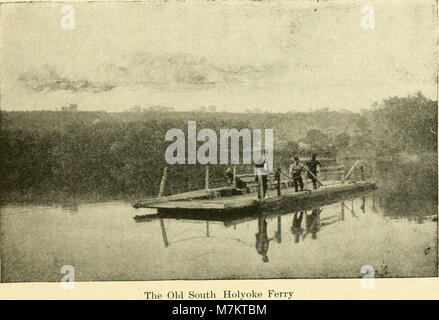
point(393, 229)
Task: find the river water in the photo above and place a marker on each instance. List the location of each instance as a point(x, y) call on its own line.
point(393, 230)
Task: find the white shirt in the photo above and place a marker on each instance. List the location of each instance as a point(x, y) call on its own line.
point(266, 170)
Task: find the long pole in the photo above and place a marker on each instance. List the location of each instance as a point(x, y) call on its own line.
point(351, 169)
point(312, 175)
point(161, 193)
point(165, 238)
point(207, 177)
point(163, 182)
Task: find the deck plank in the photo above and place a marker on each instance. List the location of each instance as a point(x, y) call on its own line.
point(247, 200)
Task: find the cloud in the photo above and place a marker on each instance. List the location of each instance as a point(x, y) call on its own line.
point(151, 70)
point(169, 70)
point(48, 79)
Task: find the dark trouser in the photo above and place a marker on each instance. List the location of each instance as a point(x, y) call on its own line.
point(264, 183)
point(298, 181)
point(240, 184)
point(314, 181)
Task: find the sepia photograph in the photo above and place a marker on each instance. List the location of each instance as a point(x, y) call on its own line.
point(218, 140)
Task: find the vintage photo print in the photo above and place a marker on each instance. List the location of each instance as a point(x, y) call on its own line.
point(218, 140)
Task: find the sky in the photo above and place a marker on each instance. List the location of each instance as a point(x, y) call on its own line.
point(274, 56)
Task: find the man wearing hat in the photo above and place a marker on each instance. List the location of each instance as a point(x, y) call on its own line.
point(312, 166)
point(296, 174)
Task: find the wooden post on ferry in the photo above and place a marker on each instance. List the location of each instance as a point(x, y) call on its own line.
point(260, 187)
point(207, 177)
point(163, 182)
point(278, 182)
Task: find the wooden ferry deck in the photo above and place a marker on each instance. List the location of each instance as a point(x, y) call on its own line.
point(230, 200)
point(242, 216)
point(288, 199)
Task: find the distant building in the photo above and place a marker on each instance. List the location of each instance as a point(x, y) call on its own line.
point(73, 107)
point(212, 108)
point(159, 108)
point(168, 109)
point(202, 109)
point(255, 110)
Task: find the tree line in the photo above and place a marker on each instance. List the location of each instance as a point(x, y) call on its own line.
point(122, 154)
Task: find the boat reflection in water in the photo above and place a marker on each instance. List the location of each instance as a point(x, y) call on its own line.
point(306, 223)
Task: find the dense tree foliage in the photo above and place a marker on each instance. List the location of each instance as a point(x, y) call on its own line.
point(405, 124)
point(113, 154)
